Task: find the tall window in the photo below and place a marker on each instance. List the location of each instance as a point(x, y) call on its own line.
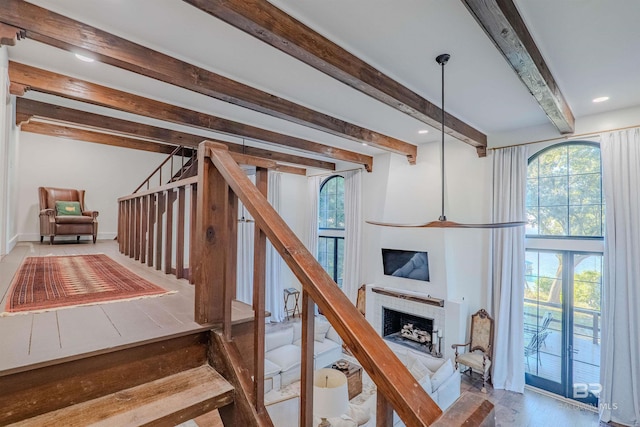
point(331, 227)
point(565, 211)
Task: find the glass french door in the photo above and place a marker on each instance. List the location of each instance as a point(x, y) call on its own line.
point(562, 322)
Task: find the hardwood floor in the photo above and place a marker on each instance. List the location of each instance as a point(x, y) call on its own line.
point(29, 339)
point(532, 409)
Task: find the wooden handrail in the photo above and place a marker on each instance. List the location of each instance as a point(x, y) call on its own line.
point(174, 184)
point(159, 168)
point(414, 406)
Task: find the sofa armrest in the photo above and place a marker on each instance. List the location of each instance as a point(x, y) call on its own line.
point(93, 214)
point(448, 391)
point(48, 212)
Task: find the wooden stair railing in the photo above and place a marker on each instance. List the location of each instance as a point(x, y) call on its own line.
point(182, 152)
point(222, 181)
point(152, 227)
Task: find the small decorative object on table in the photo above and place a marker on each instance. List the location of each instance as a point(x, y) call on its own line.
point(341, 365)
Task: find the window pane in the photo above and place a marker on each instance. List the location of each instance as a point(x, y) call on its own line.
point(532, 227)
point(584, 159)
point(585, 220)
point(554, 221)
point(532, 170)
point(553, 162)
point(532, 192)
point(553, 191)
point(585, 189)
point(331, 206)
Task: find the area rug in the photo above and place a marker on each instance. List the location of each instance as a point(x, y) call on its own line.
point(52, 282)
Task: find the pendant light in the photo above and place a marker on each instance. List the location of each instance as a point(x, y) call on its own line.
point(442, 221)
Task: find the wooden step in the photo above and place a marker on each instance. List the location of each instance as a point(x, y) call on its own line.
point(166, 401)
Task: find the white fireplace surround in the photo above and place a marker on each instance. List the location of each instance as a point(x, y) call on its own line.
point(451, 319)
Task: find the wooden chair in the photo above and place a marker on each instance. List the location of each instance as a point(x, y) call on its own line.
point(477, 355)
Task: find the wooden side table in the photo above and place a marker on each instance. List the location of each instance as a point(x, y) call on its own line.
point(354, 377)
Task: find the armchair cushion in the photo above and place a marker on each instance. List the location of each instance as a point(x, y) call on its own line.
point(474, 360)
point(73, 219)
point(64, 208)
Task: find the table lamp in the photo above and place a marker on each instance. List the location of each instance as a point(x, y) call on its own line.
point(330, 394)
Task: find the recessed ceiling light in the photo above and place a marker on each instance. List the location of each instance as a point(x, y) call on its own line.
point(365, 144)
point(601, 99)
point(84, 58)
point(423, 131)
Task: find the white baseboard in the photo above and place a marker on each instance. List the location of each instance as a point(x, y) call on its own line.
point(12, 243)
point(34, 237)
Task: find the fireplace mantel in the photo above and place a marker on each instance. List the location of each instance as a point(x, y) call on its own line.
point(409, 296)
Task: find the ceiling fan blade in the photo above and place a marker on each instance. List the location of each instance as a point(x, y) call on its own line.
point(450, 224)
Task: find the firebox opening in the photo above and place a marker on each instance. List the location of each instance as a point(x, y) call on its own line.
point(407, 329)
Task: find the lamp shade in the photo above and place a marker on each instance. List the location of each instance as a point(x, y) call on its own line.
point(330, 393)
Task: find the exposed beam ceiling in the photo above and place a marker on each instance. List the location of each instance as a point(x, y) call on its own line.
point(504, 25)
point(56, 84)
point(26, 109)
point(62, 131)
point(59, 31)
point(263, 20)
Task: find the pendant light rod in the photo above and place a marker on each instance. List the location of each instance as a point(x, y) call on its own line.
point(442, 60)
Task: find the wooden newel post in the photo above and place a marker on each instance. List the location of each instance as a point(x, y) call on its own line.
point(306, 374)
point(212, 241)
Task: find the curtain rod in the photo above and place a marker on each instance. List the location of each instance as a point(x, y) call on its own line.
point(335, 172)
point(580, 135)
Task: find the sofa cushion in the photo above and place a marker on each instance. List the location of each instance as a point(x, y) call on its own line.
point(67, 208)
point(270, 369)
point(441, 375)
point(419, 370)
point(426, 384)
point(430, 362)
point(276, 339)
point(286, 356)
point(324, 346)
point(321, 327)
point(333, 335)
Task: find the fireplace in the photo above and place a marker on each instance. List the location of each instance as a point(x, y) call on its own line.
point(407, 329)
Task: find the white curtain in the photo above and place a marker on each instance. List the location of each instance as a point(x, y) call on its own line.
point(508, 262)
point(620, 350)
point(313, 194)
point(244, 289)
point(353, 234)
point(274, 289)
point(274, 302)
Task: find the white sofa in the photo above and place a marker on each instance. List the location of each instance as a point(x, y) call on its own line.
point(437, 376)
point(283, 352)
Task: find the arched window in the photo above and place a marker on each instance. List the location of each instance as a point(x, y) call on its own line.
point(331, 227)
point(564, 191)
point(563, 272)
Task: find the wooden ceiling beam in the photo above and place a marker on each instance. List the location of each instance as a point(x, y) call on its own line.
point(266, 22)
point(85, 135)
point(57, 30)
point(62, 131)
point(9, 35)
point(27, 108)
point(506, 28)
point(71, 88)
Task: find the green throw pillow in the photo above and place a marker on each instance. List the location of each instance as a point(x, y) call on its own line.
point(68, 208)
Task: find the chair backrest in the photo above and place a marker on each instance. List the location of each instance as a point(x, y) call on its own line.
point(481, 332)
point(536, 341)
point(546, 322)
point(49, 196)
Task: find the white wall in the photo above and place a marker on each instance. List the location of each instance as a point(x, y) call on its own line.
point(292, 209)
point(8, 155)
point(398, 192)
point(105, 172)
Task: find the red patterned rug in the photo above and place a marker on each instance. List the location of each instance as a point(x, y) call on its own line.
point(49, 282)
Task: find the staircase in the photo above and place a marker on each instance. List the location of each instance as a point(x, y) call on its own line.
point(164, 382)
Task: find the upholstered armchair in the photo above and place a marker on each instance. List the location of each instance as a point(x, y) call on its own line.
point(477, 356)
point(62, 212)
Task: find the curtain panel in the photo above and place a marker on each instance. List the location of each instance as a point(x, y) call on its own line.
point(508, 265)
point(620, 348)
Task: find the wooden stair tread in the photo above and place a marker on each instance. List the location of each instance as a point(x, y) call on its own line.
point(166, 401)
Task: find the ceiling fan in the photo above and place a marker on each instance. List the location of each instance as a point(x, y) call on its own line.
point(442, 221)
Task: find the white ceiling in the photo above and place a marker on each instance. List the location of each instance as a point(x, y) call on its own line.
point(591, 46)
